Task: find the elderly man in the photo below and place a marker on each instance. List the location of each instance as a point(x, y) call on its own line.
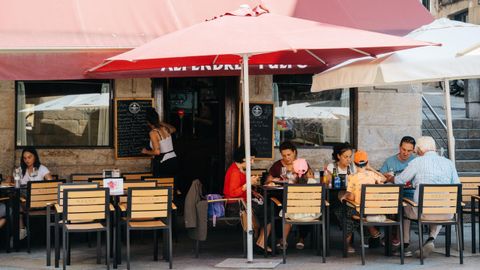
point(427, 168)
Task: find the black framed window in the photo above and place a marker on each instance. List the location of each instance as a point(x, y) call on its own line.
point(64, 113)
point(311, 119)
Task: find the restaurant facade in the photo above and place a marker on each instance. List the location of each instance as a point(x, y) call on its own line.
point(43, 78)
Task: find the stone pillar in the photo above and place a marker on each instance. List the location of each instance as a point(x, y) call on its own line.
point(384, 116)
point(472, 98)
point(7, 127)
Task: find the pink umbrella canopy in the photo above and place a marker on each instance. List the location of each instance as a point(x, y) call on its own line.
point(267, 38)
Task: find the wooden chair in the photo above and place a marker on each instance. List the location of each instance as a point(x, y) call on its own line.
point(470, 185)
point(136, 175)
point(150, 209)
point(83, 177)
point(305, 199)
point(380, 200)
point(57, 210)
point(39, 195)
point(439, 199)
point(6, 201)
point(475, 199)
point(86, 210)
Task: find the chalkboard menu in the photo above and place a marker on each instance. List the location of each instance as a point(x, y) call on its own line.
point(131, 131)
point(261, 128)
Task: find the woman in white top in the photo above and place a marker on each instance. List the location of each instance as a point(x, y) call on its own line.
point(164, 159)
point(32, 169)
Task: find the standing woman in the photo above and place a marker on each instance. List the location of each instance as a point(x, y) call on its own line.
point(164, 160)
point(32, 169)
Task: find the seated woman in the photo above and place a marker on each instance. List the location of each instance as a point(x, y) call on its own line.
point(364, 175)
point(235, 186)
point(31, 170)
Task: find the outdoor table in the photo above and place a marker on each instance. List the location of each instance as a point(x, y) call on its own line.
point(14, 194)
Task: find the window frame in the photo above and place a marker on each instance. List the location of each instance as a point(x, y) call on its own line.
point(352, 122)
point(110, 145)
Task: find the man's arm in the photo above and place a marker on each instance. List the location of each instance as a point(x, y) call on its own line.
point(407, 174)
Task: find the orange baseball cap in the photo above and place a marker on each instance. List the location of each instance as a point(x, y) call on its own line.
point(361, 157)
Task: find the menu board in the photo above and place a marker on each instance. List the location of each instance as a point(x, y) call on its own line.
point(131, 130)
point(261, 128)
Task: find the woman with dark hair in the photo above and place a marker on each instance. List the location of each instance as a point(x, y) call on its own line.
point(235, 186)
point(164, 160)
point(32, 169)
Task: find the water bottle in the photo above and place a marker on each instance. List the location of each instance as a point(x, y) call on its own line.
point(16, 177)
point(316, 175)
point(336, 179)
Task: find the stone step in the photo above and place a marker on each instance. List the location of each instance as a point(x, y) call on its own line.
point(468, 165)
point(469, 174)
point(467, 143)
point(457, 133)
point(467, 154)
point(464, 123)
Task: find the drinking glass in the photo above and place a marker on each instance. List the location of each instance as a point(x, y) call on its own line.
point(284, 173)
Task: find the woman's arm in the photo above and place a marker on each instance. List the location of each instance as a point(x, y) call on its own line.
point(48, 176)
point(170, 129)
point(155, 145)
point(235, 187)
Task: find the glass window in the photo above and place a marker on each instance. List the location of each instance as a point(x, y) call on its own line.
point(63, 113)
point(310, 119)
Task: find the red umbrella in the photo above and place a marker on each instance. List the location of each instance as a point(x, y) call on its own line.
point(255, 37)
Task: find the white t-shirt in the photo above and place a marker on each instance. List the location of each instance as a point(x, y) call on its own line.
point(41, 172)
point(330, 167)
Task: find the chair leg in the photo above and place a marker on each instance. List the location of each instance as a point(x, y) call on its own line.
point(155, 245)
point(170, 247)
point(69, 249)
point(460, 241)
point(197, 248)
point(284, 241)
point(448, 239)
point(344, 230)
point(244, 243)
point(99, 247)
point(273, 234)
point(107, 254)
point(461, 224)
point(64, 249)
point(420, 240)
point(48, 237)
point(402, 251)
point(57, 240)
point(473, 219)
point(324, 242)
point(362, 241)
point(128, 246)
point(28, 232)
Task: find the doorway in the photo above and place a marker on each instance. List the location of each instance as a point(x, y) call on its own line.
point(199, 109)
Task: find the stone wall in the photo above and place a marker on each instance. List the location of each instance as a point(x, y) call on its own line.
point(64, 162)
point(448, 10)
point(384, 116)
point(7, 127)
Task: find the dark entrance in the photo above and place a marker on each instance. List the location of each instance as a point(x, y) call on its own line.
point(199, 109)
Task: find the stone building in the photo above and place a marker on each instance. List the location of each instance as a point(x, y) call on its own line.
point(40, 68)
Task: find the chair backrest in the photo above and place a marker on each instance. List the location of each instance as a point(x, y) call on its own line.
point(138, 183)
point(97, 180)
point(470, 186)
point(161, 182)
point(135, 175)
point(65, 186)
point(149, 203)
point(439, 199)
point(304, 198)
point(381, 200)
point(85, 204)
point(78, 177)
point(41, 193)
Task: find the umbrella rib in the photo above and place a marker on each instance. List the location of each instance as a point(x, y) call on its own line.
point(316, 57)
point(362, 52)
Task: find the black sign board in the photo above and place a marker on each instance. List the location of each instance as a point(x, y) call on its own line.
point(131, 131)
point(261, 128)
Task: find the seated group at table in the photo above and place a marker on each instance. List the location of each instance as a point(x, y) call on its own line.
point(427, 167)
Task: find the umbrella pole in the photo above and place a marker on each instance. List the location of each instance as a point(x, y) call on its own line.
point(448, 116)
point(246, 132)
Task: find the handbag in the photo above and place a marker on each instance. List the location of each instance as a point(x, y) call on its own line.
point(243, 218)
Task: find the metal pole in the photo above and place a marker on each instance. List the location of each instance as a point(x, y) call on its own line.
point(246, 132)
point(448, 116)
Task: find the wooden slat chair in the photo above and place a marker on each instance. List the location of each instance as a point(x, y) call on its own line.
point(470, 185)
point(6, 201)
point(380, 200)
point(83, 177)
point(150, 209)
point(39, 195)
point(439, 199)
point(305, 199)
point(163, 182)
point(57, 210)
point(136, 175)
point(475, 199)
point(81, 205)
point(96, 180)
point(224, 219)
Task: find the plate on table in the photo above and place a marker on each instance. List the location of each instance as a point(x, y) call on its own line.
point(280, 182)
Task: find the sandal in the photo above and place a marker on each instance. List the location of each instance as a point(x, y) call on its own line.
point(350, 249)
point(282, 247)
point(300, 245)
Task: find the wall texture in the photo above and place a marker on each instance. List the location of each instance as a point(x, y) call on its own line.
point(7, 127)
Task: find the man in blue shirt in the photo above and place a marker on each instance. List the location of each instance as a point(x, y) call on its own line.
point(427, 168)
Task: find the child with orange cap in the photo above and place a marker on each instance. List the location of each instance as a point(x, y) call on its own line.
point(364, 175)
